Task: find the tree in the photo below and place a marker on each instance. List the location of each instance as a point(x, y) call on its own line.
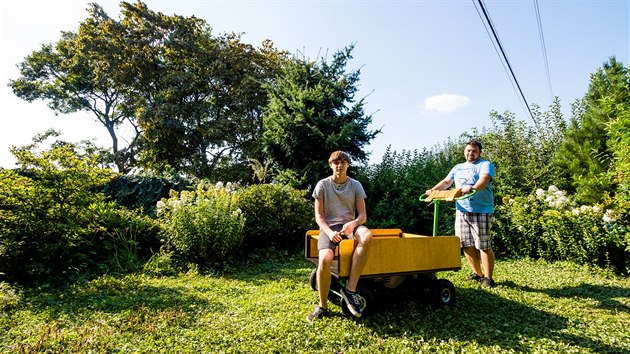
point(523, 154)
point(312, 112)
point(195, 100)
point(586, 153)
point(198, 98)
point(78, 73)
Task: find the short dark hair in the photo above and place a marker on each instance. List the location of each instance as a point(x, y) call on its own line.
point(475, 143)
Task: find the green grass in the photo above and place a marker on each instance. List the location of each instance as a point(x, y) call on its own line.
point(261, 308)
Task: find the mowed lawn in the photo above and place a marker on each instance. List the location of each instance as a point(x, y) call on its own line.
point(261, 305)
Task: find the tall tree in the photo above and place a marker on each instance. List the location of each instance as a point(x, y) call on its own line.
point(312, 112)
point(197, 97)
point(78, 73)
point(586, 153)
point(195, 100)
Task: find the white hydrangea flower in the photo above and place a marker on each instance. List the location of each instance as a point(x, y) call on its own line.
point(609, 216)
point(540, 193)
point(160, 207)
point(553, 189)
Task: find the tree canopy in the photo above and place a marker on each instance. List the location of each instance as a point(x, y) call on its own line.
point(313, 112)
point(194, 99)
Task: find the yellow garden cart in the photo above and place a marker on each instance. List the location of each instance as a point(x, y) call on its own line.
point(398, 262)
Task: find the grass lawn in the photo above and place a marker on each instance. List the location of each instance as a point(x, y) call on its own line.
point(261, 308)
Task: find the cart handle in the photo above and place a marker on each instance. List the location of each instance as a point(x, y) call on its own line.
point(448, 195)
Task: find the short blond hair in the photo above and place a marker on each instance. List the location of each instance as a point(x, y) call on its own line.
point(339, 155)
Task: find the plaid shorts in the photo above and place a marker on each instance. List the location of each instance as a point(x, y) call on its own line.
point(473, 229)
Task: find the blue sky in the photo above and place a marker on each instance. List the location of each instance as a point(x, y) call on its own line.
point(429, 70)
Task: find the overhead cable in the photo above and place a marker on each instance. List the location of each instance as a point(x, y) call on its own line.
point(544, 47)
point(495, 39)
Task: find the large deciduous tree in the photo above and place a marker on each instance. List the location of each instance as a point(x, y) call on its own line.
point(78, 73)
point(195, 99)
point(198, 98)
point(312, 112)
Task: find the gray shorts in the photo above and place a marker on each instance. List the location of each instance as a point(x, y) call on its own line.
point(473, 229)
point(324, 242)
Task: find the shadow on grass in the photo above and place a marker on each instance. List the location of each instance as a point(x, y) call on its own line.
point(603, 295)
point(479, 316)
point(119, 295)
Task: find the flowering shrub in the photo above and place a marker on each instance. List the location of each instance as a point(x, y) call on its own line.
point(548, 224)
point(204, 226)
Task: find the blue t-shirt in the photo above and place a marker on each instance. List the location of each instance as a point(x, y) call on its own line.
point(467, 174)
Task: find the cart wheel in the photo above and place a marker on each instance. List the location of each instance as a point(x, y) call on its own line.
point(367, 302)
point(443, 292)
point(313, 279)
point(334, 285)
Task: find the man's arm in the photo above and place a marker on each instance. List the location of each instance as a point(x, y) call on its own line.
point(482, 183)
point(442, 185)
point(320, 218)
point(361, 218)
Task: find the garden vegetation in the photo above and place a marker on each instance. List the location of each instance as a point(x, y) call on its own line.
point(190, 239)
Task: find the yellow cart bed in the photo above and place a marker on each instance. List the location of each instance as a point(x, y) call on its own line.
point(397, 261)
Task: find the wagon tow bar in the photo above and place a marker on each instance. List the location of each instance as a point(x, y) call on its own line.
point(448, 195)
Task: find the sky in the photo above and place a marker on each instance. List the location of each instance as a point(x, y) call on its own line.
point(429, 69)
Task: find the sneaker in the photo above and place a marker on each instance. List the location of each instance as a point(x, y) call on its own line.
point(487, 283)
point(318, 313)
point(475, 277)
point(353, 300)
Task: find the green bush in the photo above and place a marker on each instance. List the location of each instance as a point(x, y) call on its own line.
point(9, 296)
point(142, 191)
point(54, 225)
point(394, 187)
point(275, 215)
point(550, 226)
point(204, 226)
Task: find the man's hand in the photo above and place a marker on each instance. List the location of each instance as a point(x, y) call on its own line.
point(467, 189)
point(336, 237)
point(348, 228)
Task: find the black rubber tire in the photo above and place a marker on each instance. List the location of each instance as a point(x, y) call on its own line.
point(443, 292)
point(368, 303)
point(313, 279)
point(334, 285)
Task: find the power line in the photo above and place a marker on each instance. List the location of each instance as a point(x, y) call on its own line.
point(544, 47)
point(503, 56)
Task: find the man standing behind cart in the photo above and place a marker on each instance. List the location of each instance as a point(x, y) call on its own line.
point(474, 215)
point(340, 213)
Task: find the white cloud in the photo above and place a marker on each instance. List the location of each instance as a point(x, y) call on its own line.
point(445, 103)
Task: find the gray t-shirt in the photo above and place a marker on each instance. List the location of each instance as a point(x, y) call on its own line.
point(339, 200)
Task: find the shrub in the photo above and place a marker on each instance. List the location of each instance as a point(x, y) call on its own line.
point(394, 187)
point(275, 215)
point(9, 296)
point(54, 225)
point(142, 191)
point(549, 225)
point(203, 226)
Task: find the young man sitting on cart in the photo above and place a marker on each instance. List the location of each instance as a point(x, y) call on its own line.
point(340, 213)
